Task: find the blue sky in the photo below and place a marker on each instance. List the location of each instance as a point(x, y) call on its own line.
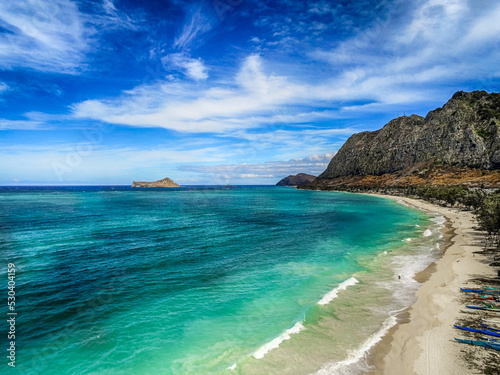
point(225, 91)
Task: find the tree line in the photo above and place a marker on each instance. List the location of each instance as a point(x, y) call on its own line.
point(485, 203)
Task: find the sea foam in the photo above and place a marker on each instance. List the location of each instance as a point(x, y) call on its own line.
point(355, 356)
point(427, 233)
point(275, 343)
point(328, 297)
point(439, 219)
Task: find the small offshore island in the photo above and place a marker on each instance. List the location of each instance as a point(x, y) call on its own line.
point(299, 179)
point(164, 183)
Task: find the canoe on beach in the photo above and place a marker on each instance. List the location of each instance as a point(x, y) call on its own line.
point(471, 290)
point(487, 298)
point(494, 306)
point(481, 291)
point(483, 331)
point(483, 308)
point(494, 341)
point(476, 290)
point(485, 344)
point(490, 328)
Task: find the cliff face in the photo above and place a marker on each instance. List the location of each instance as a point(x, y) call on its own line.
point(166, 182)
point(465, 132)
point(296, 180)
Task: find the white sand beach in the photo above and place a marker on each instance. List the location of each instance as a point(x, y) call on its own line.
point(423, 342)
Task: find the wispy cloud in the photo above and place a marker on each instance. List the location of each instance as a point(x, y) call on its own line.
point(21, 125)
point(388, 65)
point(197, 24)
point(43, 36)
point(441, 42)
point(252, 99)
point(192, 68)
point(291, 144)
point(279, 80)
point(111, 17)
point(84, 162)
point(34, 121)
point(485, 28)
point(314, 165)
point(186, 108)
point(52, 36)
point(3, 87)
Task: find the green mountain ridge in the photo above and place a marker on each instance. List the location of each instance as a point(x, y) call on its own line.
point(463, 134)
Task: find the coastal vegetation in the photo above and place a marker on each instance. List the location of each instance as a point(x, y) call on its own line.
point(484, 202)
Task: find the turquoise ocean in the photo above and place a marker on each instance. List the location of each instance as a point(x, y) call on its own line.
point(206, 280)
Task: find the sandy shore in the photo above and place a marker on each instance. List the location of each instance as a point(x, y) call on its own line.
point(423, 340)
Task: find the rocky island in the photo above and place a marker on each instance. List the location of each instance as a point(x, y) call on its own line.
point(165, 183)
point(296, 180)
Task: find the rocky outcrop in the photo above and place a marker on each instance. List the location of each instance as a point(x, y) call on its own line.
point(296, 180)
point(464, 133)
point(165, 183)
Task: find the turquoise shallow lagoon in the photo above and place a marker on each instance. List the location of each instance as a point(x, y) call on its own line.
point(206, 280)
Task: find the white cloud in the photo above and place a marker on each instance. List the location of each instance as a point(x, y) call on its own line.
point(4, 87)
point(49, 36)
point(86, 161)
point(392, 64)
point(288, 144)
point(443, 42)
point(21, 125)
point(253, 99)
point(193, 68)
point(197, 24)
point(484, 28)
point(110, 17)
point(187, 108)
point(314, 165)
point(52, 36)
point(320, 8)
point(434, 18)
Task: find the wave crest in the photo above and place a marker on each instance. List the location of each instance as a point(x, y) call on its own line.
point(275, 343)
point(328, 297)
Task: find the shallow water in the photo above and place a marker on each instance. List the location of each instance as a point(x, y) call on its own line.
point(240, 280)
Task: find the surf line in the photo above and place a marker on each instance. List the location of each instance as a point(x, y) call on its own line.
point(357, 355)
point(286, 335)
point(332, 294)
point(275, 343)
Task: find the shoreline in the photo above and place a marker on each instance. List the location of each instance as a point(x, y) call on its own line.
point(421, 343)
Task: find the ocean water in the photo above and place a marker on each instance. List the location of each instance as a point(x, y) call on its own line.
point(206, 280)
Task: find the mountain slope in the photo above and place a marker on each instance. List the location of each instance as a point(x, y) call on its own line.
point(463, 134)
